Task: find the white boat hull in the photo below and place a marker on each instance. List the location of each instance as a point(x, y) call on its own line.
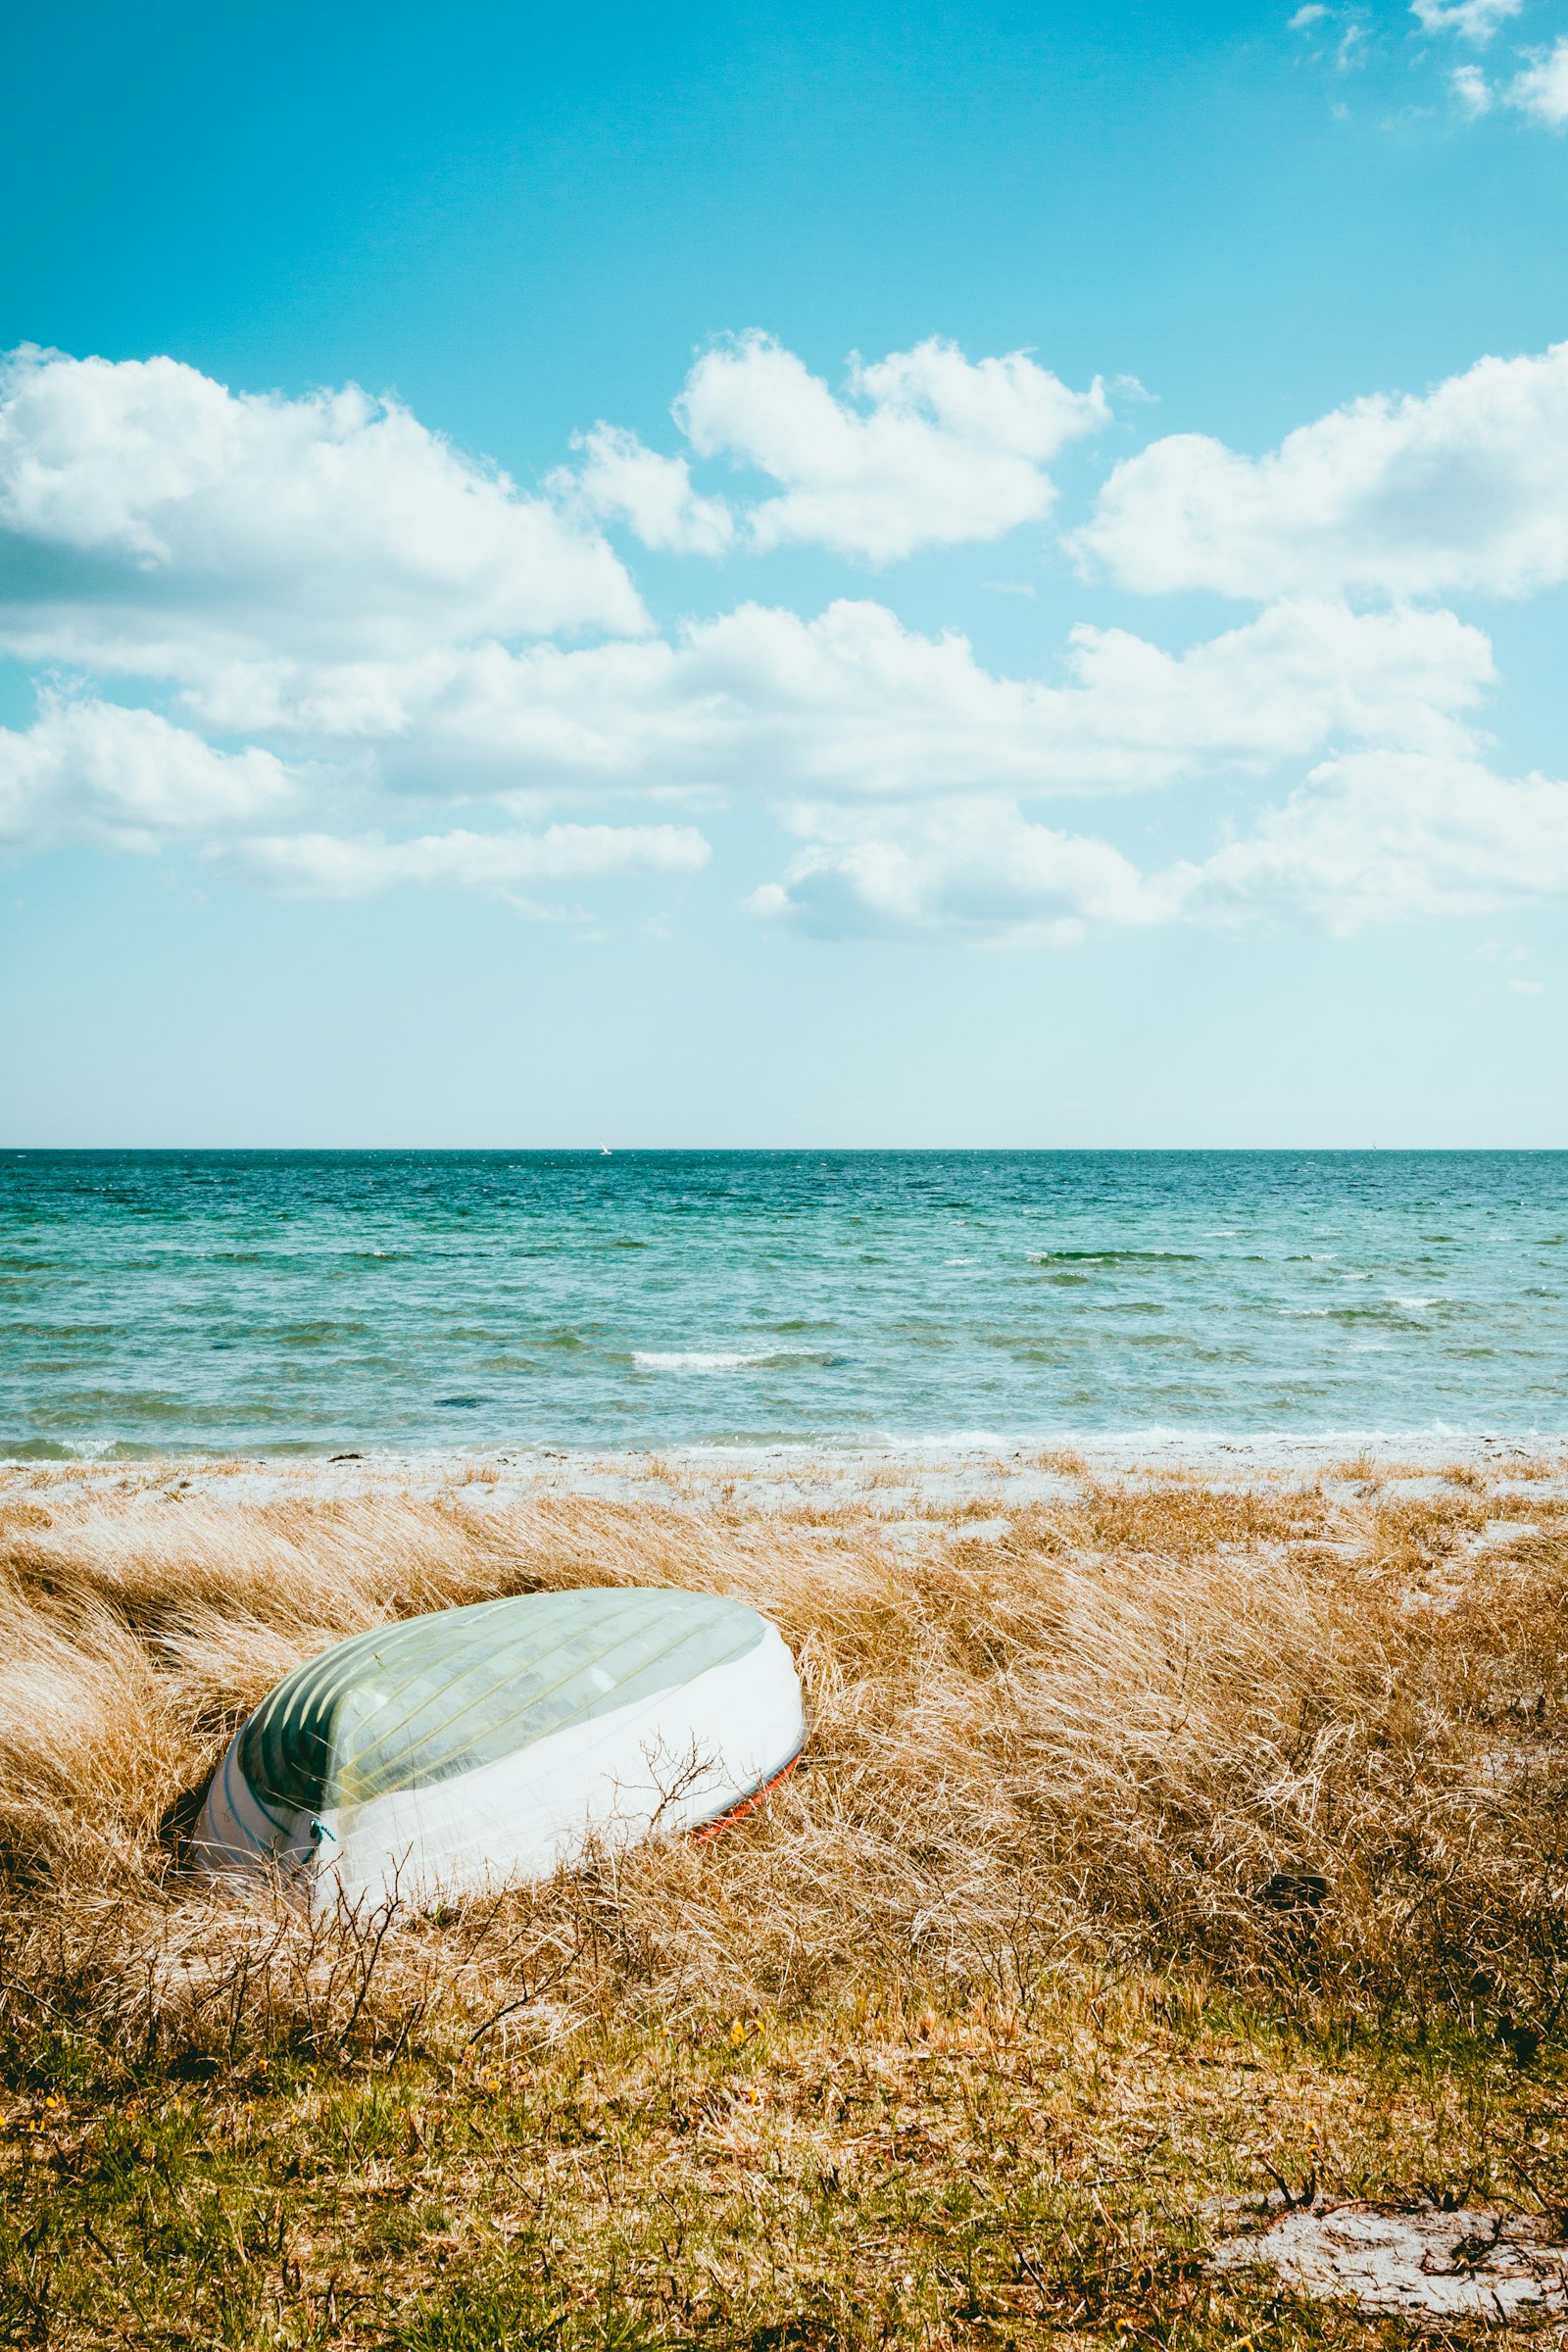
point(664, 1764)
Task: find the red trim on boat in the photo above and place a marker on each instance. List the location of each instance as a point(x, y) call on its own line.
point(748, 1804)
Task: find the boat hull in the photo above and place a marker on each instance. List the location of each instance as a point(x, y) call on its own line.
point(655, 1763)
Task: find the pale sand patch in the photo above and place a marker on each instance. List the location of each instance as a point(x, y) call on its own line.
point(983, 1477)
point(1451, 2265)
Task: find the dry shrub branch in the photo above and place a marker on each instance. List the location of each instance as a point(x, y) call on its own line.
point(1311, 1744)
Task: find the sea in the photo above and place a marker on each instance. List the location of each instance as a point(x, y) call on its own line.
point(287, 1303)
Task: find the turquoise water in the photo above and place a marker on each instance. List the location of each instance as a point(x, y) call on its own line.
point(287, 1302)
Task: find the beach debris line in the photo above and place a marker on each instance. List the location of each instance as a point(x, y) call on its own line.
point(1426, 2263)
point(476, 1748)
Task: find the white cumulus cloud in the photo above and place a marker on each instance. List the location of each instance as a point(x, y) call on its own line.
point(1375, 836)
point(95, 772)
point(151, 519)
point(1381, 835)
point(361, 644)
point(626, 482)
point(1472, 19)
point(852, 702)
point(975, 867)
point(928, 449)
point(1463, 488)
point(1539, 91)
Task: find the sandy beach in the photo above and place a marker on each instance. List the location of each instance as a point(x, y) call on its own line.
point(943, 1476)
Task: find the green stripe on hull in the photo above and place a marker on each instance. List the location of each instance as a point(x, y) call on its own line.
point(417, 1702)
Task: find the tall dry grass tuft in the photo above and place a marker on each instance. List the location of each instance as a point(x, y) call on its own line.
point(1305, 1746)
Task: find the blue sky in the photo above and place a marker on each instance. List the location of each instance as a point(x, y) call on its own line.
point(785, 575)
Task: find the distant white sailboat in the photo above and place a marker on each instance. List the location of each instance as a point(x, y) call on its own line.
point(605, 1151)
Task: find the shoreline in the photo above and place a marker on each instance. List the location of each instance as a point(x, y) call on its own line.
point(779, 1477)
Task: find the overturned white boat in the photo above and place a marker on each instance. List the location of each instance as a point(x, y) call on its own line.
point(475, 1747)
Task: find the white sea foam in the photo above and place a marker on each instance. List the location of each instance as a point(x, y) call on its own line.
point(699, 1359)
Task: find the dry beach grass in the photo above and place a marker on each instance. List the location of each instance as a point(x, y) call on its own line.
point(1159, 1838)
